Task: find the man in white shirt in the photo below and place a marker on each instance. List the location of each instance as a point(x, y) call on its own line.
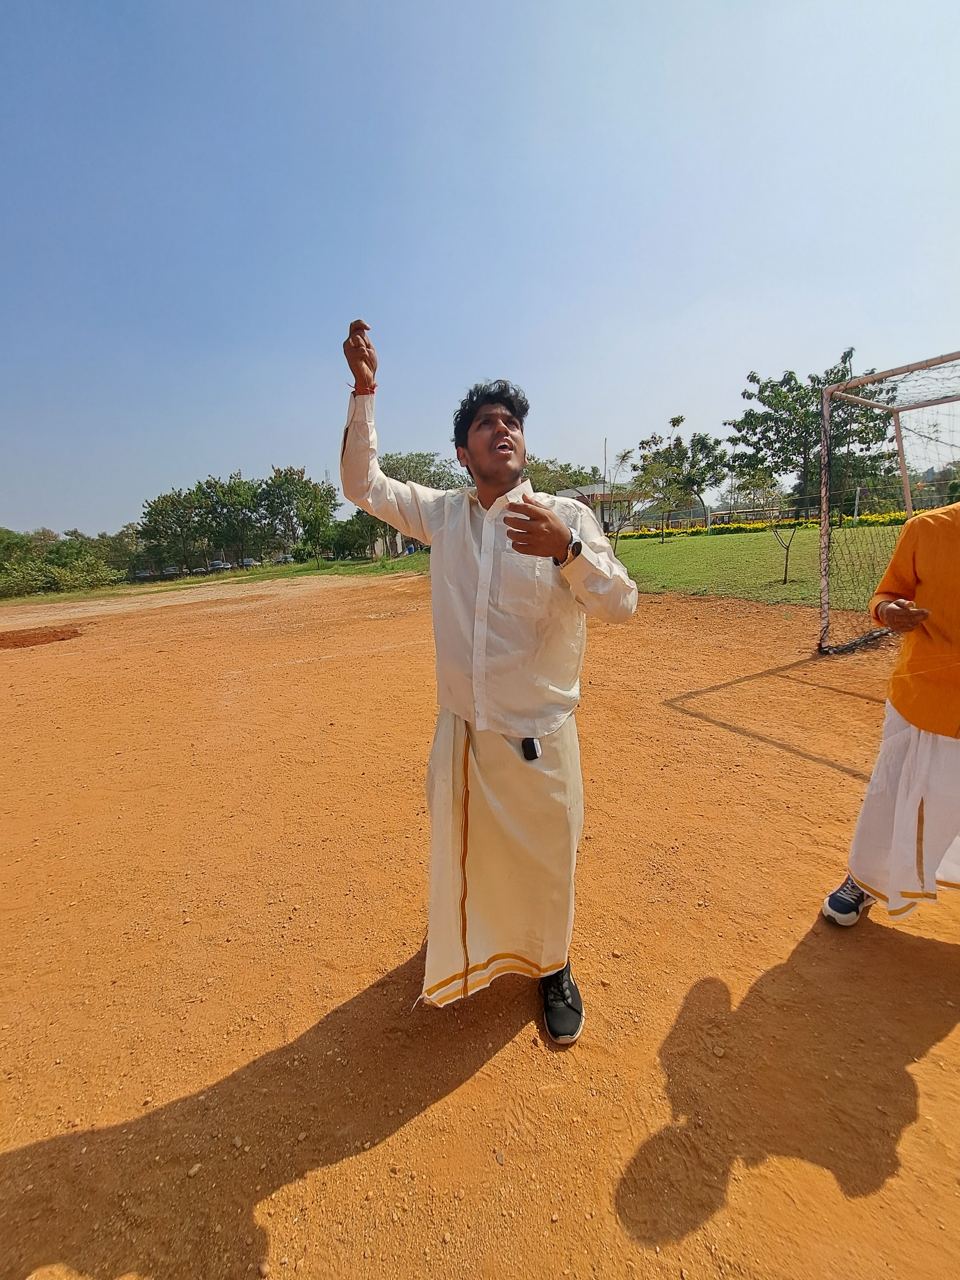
point(512, 576)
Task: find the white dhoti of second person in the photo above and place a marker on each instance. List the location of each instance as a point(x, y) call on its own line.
point(907, 843)
point(504, 836)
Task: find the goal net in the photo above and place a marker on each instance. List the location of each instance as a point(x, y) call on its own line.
point(891, 447)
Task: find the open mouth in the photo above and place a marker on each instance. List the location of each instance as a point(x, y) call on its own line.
point(504, 447)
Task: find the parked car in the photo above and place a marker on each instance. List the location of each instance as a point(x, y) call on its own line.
point(171, 571)
point(283, 560)
point(250, 564)
point(200, 569)
point(217, 566)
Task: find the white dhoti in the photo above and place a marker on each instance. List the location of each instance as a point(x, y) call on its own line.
point(504, 836)
point(907, 841)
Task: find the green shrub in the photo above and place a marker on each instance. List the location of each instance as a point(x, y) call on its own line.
point(764, 526)
point(31, 575)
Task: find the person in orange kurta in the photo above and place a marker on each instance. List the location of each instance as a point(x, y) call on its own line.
point(907, 841)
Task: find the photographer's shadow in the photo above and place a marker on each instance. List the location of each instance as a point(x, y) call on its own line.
point(132, 1199)
point(812, 1065)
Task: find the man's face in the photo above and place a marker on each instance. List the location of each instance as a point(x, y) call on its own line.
point(495, 452)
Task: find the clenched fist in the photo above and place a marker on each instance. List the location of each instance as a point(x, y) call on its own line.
point(362, 358)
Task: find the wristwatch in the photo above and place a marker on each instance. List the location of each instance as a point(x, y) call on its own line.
point(574, 547)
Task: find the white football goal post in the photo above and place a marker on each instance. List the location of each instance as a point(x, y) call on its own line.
point(864, 500)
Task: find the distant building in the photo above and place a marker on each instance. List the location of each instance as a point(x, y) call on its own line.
point(612, 507)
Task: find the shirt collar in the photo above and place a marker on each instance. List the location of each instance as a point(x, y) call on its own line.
point(515, 494)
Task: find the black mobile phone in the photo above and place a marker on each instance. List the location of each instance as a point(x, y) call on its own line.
point(531, 748)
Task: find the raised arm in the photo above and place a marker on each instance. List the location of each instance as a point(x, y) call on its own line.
point(412, 508)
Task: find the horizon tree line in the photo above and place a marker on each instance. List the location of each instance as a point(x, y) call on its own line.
point(771, 454)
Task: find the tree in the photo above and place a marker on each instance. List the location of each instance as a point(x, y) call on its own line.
point(937, 485)
point(356, 536)
point(45, 561)
point(13, 546)
point(703, 467)
point(242, 512)
point(281, 496)
point(228, 519)
point(613, 490)
point(752, 487)
point(782, 435)
point(658, 472)
point(547, 475)
point(118, 550)
point(315, 514)
point(371, 531)
point(67, 550)
point(428, 469)
point(230, 514)
point(41, 540)
point(350, 538)
point(171, 526)
point(786, 542)
point(672, 470)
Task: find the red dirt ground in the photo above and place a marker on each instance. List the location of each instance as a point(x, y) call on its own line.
point(32, 636)
point(213, 900)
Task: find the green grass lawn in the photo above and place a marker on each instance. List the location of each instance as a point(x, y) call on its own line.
point(750, 565)
point(746, 565)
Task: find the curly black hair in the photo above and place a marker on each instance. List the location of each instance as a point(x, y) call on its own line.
point(498, 392)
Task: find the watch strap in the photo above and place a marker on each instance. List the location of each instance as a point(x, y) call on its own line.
point(573, 550)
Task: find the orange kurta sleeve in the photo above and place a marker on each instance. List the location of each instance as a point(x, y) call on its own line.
point(900, 580)
point(925, 682)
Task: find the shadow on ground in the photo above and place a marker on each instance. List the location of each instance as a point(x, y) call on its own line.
point(113, 1201)
point(682, 703)
point(812, 1064)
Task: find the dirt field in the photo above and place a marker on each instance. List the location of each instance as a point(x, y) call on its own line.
point(213, 904)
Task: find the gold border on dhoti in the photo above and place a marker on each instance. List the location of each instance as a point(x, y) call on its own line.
point(464, 844)
point(475, 978)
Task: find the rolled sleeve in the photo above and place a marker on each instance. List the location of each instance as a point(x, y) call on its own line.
point(599, 582)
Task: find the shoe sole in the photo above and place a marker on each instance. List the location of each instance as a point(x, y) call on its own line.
point(566, 1040)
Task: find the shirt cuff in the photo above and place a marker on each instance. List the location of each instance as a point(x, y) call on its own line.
point(361, 409)
point(580, 566)
point(876, 602)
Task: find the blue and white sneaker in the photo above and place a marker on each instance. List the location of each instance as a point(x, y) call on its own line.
point(847, 903)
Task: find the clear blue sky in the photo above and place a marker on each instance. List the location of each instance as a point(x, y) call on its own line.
point(623, 206)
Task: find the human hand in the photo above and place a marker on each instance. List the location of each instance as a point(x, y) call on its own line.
point(901, 615)
point(361, 357)
point(536, 530)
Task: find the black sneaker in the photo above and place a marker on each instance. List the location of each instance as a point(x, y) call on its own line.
point(847, 903)
point(562, 1006)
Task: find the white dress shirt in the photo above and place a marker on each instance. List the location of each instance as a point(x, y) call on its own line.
point(509, 627)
